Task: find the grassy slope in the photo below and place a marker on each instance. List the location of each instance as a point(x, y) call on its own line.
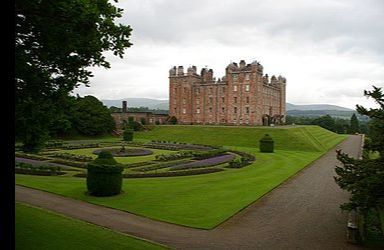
point(207, 200)
point(36, 228)
point(295, 138)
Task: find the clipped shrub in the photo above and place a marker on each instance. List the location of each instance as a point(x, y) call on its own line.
point(128, 134)
point(266, 144)
point(104, 177)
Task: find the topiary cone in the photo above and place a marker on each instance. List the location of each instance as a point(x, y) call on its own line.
point(104, 175)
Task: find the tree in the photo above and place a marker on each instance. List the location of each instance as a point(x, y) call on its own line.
point(91, 117)
point(325, 121)
point(364, 178)
point(354, 125)
point(114, 109)
point(55, 43)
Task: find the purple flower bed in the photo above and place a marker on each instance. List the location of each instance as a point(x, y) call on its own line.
point(204, 163)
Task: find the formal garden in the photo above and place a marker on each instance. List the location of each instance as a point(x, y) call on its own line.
point(188, 175)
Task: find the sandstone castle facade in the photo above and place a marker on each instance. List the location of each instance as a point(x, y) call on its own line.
point(244, 96)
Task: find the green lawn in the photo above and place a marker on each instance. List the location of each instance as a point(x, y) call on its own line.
point(205, 201)
point(299, 138)
point(40, 229)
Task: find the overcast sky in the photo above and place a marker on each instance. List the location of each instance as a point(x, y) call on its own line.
point(329, 51)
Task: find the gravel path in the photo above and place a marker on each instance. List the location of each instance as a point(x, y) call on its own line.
point(302, 213)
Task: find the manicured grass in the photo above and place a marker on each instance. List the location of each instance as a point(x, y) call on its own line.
point(36, 228)
point(300, 138)
point(202, 201)
point(205, 201)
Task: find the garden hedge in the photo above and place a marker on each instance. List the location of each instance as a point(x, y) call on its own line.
point(104, 177)
point(266, 144)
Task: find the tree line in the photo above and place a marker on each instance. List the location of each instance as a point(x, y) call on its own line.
point(335, 124)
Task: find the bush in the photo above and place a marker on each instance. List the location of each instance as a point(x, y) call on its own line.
point(104, 177)
point(128, 134)
point(266, 144)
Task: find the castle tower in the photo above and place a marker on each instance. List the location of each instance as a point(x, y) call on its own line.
point(244, 96)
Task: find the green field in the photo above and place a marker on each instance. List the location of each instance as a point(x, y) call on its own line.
point(205, 201)
point(36, 228)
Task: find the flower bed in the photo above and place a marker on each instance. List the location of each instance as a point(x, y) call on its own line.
point(123, 152)
point(204, 163)
point(176, 146)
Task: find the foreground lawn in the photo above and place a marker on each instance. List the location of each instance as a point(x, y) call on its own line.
point(202, 201)
point(36, 228)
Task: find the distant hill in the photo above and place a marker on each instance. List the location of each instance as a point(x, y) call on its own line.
point(138, 102)
point(316, 107)
point(310, 110)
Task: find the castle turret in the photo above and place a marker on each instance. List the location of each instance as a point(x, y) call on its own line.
point(242, 64)
point(191, 70)
point(207, 75)
point(180, 71)
point(172, 71)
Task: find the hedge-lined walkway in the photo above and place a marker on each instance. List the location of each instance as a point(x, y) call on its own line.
point(302, 213)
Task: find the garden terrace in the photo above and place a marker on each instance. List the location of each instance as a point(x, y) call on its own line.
point(204, 200)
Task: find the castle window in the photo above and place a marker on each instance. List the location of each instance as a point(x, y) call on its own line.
point(184, 111)
point(234, 77)
point(247, 110)
point(235, 99)
point(198, 110)
point(222, 99)
point(247, 99)
point(247, 77)
point(197, 101)
point(198, 91)
point(210, 100)
point(175, 110)
point(210, 109)
point(184, 101)
point(185, 90)
point(234, 88)
point(247, 87)
point(223, 110)
point(210, 91)
point(174, 91)
point(174, 101)
point(235, 110)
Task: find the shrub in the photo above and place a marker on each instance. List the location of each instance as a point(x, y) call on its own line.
point(128, 134)
point(104, 177)
point(266, 144)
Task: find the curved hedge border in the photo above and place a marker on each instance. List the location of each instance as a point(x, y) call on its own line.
point(167, 174)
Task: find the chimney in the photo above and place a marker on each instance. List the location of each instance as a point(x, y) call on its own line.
point(124, 106)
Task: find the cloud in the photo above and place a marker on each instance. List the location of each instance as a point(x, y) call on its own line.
point(329, 50)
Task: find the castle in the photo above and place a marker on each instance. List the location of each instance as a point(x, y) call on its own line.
point(244, 96)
